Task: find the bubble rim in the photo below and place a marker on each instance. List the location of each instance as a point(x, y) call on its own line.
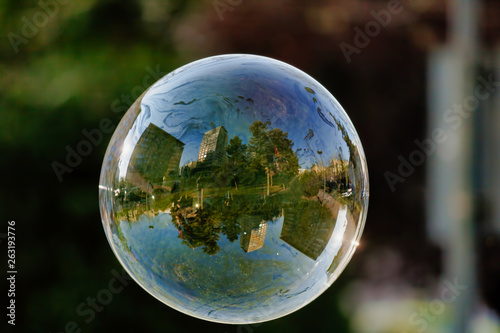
point(365, 192)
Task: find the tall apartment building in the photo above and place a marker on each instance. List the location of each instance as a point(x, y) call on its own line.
point(252, 235)
point(213, 147)
point(309, 234)
point(156, 157)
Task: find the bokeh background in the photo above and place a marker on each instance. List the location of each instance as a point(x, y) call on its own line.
point(67, 65)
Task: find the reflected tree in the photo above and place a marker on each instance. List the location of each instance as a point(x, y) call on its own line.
point(272, 150)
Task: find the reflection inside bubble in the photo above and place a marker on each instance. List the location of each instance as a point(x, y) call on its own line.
point(235, 189)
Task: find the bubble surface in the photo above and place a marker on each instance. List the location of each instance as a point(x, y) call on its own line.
point(235, 189)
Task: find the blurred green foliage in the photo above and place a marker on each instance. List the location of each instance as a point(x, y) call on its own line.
point(62, 80)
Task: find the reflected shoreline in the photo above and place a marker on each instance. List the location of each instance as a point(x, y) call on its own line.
point(203, 207)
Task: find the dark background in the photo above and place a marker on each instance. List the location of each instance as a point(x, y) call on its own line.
point(65, 78)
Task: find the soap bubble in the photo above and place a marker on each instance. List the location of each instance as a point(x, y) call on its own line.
point(235, 189)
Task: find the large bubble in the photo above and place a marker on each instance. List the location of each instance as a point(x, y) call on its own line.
point(235, 189)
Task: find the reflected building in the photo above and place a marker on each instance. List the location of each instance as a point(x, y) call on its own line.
point(356, 173)
point(213, 147)
point(252, 235)
point(306, 234)
point(186, 168)
point(336, 261)
point(133, 213)
point(337, 169)
point(156, 157)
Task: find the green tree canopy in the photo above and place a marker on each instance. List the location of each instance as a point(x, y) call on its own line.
point(271, 148)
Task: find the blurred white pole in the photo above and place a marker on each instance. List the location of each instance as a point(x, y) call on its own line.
point(452, 78)
point(493, 149)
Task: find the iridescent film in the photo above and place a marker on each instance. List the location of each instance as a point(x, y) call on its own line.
point(235, 189)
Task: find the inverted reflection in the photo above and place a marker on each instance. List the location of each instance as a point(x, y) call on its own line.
point(235, 189)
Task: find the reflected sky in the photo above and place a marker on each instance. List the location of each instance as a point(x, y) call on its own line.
point(234, 94)
point(281, 275)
